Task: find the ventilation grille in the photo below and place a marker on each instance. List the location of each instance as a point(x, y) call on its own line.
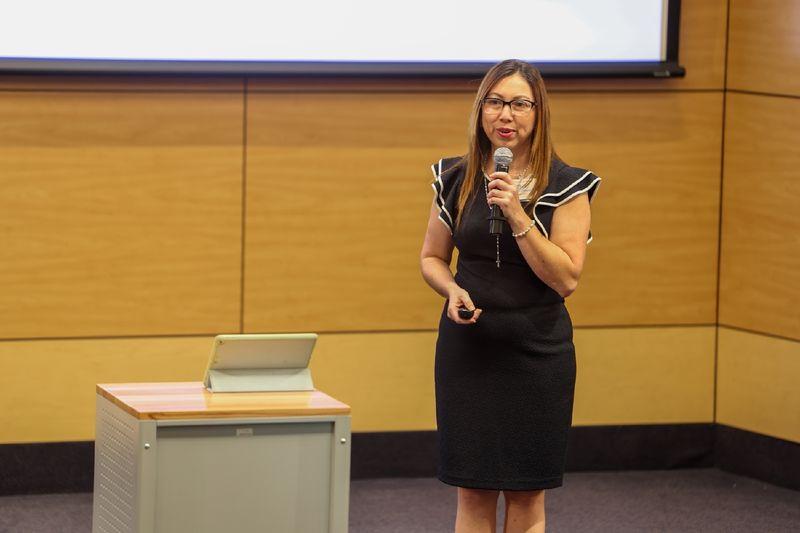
point(115, 477)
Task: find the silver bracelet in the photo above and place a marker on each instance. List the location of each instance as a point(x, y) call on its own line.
point(523, 232)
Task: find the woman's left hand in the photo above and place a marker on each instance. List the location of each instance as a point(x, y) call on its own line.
point(503, 192)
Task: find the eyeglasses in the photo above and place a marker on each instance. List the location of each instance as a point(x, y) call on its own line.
point(520, 106)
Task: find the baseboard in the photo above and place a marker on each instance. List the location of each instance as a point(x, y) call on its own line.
point(68, 466)
point(394, 454)
point(769, 459)
point(640, 447)
point(50, 467)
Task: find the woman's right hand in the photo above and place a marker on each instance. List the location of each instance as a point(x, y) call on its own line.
point(458, 297)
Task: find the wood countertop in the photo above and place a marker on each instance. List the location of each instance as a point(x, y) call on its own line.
point(169, 401)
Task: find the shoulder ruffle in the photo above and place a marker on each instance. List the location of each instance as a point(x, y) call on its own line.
point(564, 185)
point(445, 186)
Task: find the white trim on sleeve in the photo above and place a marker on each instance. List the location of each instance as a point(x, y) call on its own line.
point(596, 181)
point(440, 199)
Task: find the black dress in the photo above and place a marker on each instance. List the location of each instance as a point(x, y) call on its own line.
point(504, 385)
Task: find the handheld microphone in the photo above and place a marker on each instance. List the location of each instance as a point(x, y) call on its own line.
point(502, 162)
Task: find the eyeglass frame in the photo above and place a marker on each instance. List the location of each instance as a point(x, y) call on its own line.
point(507, 103)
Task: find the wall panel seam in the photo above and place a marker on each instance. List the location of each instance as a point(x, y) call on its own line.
point(760, 333)
point(244, 208)
point(720, 207)
point(342, 332)
point(760, 93)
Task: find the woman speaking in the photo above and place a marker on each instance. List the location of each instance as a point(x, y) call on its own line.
point(505, 361)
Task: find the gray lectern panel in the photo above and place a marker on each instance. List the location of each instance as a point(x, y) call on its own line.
point(244, 477)
point(115, 480)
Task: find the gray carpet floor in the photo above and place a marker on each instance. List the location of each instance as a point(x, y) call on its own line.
point(701, 500)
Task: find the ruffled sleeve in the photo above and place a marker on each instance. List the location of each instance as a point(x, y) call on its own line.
point(565, 184)
point(445, 187)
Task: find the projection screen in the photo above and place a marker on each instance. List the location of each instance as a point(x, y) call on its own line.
point(341, 37)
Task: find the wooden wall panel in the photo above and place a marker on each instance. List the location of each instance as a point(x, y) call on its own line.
point(122, 213)
point(653, 259)
point(757, 381)
point(764, 50)
point(48, 387)
point(644, 375)
point(655, 222)
point(338, 196)
point(386, 378)
point(625, 376)
point(760, 270)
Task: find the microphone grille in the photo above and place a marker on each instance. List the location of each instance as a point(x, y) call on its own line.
point(503, 156)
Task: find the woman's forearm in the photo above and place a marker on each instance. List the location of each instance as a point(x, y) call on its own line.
point(437, 274)
point(550, 263)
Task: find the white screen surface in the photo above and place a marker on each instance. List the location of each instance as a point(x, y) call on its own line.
point(341, 31)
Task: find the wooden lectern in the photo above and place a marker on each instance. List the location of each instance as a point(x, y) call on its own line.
point(173, 457)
